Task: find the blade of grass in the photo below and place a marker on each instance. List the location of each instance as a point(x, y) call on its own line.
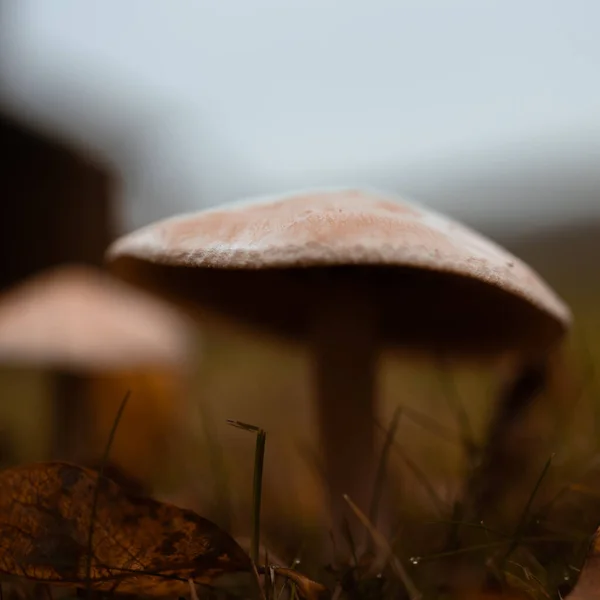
point(517, 535)
point(457, 405)
point(309, 590)
point(350, 540)
point(382, 466)
point(429, 424)
point(109, 443)
point(193, 593)
point(583, 489)
point(380, 540)
point(259, 459)
point(334, 547)
point(269, 579)
point(567, 487)
point(480, 526)
point(423, 480)
point(495, 476)
point(294, 564)
point(489, 546)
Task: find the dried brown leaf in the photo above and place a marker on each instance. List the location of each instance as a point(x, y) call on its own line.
point(140, 545)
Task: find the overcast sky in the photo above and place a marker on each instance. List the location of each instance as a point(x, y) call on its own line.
point(236, 97)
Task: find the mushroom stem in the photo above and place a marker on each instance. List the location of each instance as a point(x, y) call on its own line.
point(503, 456)
point(345, 349)
point(71, 434)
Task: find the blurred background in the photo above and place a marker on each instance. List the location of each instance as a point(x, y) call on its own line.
point(115, 114)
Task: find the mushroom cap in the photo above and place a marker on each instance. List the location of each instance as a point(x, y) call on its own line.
point(438, 284)
point(80, 318)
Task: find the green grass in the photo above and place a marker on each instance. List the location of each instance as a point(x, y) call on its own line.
point(539, 558)
point(257, 479)
point(534, 541)
point(103, 463)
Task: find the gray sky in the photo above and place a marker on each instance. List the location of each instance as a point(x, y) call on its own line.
point(236, 97)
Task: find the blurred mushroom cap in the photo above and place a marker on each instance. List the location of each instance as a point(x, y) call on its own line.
point(80, 318)
point(438, 284)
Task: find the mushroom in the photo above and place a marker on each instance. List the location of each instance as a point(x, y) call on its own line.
point(348, 271)
point(78, 322)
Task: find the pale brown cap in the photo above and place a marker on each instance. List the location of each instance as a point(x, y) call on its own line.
point(438, 284)
point(79, 318)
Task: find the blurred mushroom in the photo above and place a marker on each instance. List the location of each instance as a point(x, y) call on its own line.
point(348, 271)
point(82, 326)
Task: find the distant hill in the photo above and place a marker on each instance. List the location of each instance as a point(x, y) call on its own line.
point(568, 256)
